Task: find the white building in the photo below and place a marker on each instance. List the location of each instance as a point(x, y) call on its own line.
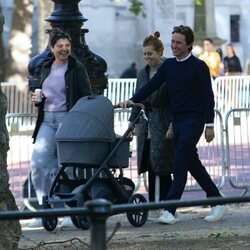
point(116, 34)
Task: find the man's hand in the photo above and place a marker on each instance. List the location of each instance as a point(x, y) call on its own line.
point(209, 134)
point(124, 104)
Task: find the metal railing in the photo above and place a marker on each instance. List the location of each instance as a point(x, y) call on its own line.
point(100, 210)
point(237, 122)
point(20, 127)
point(19, 98)
point(231, 92)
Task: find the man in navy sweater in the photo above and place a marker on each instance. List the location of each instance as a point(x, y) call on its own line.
point(191, 101)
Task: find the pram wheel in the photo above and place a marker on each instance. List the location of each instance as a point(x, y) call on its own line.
point(83, 222)
point(80, 221)
point(74, 221)
point(137, 218)
point(49, 223)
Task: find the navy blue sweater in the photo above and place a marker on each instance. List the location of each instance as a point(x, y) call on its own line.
point(188, 84)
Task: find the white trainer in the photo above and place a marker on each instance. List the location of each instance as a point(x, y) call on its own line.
point(36, 223)
point(153, 215)
point(67, 222)
point(217, 213)
point(167, 218)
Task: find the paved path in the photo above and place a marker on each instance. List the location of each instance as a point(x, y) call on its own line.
point(191, 232)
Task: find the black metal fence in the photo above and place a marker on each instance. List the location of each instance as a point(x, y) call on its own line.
point(99, 210)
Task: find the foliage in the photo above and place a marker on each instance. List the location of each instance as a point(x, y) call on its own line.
point(198, 2)
point(137, 7)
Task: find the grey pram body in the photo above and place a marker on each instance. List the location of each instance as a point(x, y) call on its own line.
point(87, 135)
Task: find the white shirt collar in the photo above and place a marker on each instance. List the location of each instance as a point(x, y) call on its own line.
point(185, 58)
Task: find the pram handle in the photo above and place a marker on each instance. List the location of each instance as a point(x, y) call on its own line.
point(142, 112)
point(131, 105)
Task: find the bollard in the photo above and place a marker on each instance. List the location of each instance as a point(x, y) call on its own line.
point(100, 210)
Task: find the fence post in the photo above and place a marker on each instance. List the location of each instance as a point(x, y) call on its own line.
point(99, 209)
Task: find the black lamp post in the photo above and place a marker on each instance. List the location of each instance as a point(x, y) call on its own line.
point(67, 17)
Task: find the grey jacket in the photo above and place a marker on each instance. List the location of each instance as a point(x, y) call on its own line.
point(159, 117)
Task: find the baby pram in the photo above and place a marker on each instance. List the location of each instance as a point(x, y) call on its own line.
point(95, 155)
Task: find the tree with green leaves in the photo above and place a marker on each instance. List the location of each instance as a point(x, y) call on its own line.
point(137, 7)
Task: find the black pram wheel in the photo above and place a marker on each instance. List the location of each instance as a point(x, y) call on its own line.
point(83, 222)
point(49, 223)
point(74, 221)
point(137, 218)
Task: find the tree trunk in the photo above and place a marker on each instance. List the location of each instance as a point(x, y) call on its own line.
point(20, 41)
point(2, 54)
point(10, 231)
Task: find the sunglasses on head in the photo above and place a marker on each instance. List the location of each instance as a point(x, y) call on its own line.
point(57, 34)
point(181, 29)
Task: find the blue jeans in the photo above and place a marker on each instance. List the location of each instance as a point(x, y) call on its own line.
point(44, 161)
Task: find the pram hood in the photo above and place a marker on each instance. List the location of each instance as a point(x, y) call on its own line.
point(90, 119)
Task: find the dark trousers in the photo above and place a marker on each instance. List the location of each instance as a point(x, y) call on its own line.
point(187, 132)
point(165, 180)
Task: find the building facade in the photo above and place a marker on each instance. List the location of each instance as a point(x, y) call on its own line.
point(116, 34)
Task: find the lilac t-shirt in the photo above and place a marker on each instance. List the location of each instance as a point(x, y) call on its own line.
point(54, 88)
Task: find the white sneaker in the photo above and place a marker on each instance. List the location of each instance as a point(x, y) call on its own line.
point(217, 213)
point(67, 222)
point(36, 223)
point(153, 215)
point(167, 218)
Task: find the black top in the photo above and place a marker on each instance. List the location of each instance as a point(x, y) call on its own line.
point(232, 64)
